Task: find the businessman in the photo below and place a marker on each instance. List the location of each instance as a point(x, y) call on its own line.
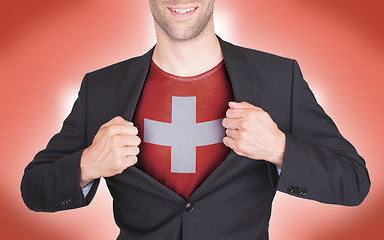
point(194, 138)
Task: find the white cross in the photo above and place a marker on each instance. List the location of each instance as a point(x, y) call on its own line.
point(183, 134)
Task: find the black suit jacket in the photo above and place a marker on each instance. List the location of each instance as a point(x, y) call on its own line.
point(235, 201)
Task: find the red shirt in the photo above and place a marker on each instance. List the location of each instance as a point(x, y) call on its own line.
point(179, 123)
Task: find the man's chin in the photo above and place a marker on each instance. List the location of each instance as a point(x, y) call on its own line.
point(185, 35)
point(182, 37)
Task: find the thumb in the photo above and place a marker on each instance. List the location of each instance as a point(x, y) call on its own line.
point(238, 105)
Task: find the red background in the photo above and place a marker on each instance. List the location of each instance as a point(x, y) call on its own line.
point(46, 47)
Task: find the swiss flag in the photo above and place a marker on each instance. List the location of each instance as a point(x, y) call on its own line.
point(179, 123)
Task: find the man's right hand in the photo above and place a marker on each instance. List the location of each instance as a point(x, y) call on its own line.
point(114, 148)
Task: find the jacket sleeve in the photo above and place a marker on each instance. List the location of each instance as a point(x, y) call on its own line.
point(319, 163)
point(51, 182)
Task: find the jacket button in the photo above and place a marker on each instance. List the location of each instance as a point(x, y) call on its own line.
point(291, 189)
point(189, 207)
point(66, 201)
point(302, 192)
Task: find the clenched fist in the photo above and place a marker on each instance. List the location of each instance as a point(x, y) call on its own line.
point(114, 148)
point(252, 133)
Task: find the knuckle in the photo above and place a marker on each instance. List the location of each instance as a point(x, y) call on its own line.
point(263, 115)
point(116, 164)
point(112, 129)
point(120, 170)
point(243, 124)
point(237, 146)
point(260, 109)
point(122, 164)
point(116, 154)
point(118, 119)
point(242, 135)
point(115, 139)
point(249, 114)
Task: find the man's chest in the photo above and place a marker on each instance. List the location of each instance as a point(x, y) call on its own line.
point(179, 122)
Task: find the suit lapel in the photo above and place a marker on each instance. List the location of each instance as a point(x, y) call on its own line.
point(129, 89)
point(242, 75)
point(243, 80)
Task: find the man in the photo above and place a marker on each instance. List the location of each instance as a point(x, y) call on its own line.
point(196, 151)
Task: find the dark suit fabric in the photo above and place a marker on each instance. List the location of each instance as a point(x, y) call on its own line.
point(235, 201)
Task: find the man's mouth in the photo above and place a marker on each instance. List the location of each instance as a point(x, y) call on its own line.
point(183, 11)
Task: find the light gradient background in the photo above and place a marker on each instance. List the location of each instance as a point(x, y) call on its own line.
point(47, 46)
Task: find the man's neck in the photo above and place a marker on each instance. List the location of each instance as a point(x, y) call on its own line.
point(188, 58)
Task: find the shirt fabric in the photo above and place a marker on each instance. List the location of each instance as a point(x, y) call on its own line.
point(179, 120)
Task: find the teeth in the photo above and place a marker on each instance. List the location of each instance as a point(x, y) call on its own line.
point(182, 11)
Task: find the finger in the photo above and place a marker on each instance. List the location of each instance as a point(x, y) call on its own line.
point(232, 133)
point(231, 143)
point(130, 140)
point(242, 105)
point(231, 123)
point(125, 140)
point(117, 120)
point(130, 151)
point(121, 129)
point(130, 160)
point(235, 113)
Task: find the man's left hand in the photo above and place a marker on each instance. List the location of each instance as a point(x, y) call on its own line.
point(252, 133)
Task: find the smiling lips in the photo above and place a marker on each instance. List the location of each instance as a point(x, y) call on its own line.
point(183, 11)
